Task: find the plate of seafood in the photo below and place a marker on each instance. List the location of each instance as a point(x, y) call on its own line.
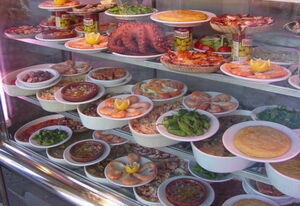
point(261, 141)
point(56, 5)
point(185, 190)
point(92, 8)
point(295, 81)
point(22, 86)
point(72, 68)
point(160, 90)
point(219, 104)
point(56, 35)
point(187, 125)
point(182, 18)
point(77, 93)
point(86, 152)
point(130, 171)
point(81, 45)
point(258, 71)
point(125, 107)
point(124, 42)
point(25, 31)
point(109, 138)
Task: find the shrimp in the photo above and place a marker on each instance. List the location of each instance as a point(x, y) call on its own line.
point(115, 170)
point(203, 105)
point(192, 102)
point(225, 105)
point(274, 72)
point(107, 110)
point(132, 157)
point(147, 172)
point(129, 179)
point(140, 105)
point(109, 102)
point(133, 99)
point(214, 108)
point(241, 71)
point(221, 98)
point(201, 96)
point(118, 114)
point(131, 112)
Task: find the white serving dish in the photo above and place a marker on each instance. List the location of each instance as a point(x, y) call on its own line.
point(262, 81)
point(234, 199)
point(219, 164)
point(56, 8)
point(129, 17)
point(36, 89)
point(142, 99)
point(294, 81)
point(98, 179)
point(250, 189)
point(192, 164)
point(145, 202)
point(125, 160)
point(162, 191)
point(78, 74)
point(54, 106)
point(70, 161)
point(83, 50)
point(57, 160)
point(21, 75)
point(109, 132)
point(138, 57)
point(59, 127)
point(214, 126)
point(229, 134)
point(13, 90)
point(285, 184)
point(260, 109)
point(166, 100)
point(40, 38)
point(58, 97)
point(106, 83)
point(183, 24)
point(31, 123)
point(213, 94)
point(151, 140)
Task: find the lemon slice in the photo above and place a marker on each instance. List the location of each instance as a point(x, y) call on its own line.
point(59, 2)
point(122, 103)
point(93, 38)
point(133, 168)
point(260, 65)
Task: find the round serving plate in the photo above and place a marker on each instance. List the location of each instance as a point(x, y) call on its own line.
point(125, 81)
point(78, 74)
point(234, 199)
point(35, 89)
point(107, 132)
point(40, 38)
point(183, 24)
point(128, 17)
point(55, 8)
point(214, 126)
point(294, 81)
point(83, 50)
point(228, 138)
point(138, 57)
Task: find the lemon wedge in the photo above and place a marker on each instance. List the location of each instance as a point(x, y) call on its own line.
point(93, 38)
point(122, 103)
point(59, 2)
point(260, 65)
point(133, 168)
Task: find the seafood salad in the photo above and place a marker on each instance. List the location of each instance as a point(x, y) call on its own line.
point(132, 171)
point(159, 88)
point(123, 107)
point(147, 124)
point(71, 67)
point(209, 102)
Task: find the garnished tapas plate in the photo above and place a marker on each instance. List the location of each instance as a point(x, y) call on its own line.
point(50, 5)
point(125, 107)
point(130, 16)
point(81, 45)
point(26, 31)
point(109, 138)
point(71, 68)
point(57, 35)
point(86, 152)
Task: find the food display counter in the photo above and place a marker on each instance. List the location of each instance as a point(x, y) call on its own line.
point(153, 103)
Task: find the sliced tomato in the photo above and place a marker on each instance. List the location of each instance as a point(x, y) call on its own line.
point(175, 93)
point(204, 47)
point(164, 95)
point(224, 49)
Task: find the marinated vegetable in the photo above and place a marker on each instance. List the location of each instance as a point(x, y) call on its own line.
point(130, 9)
point(289, 118)
point(187, 123)
point(207, 174)
point(214, 43)
point(50, 137)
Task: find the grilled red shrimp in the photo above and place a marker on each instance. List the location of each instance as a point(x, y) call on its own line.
point(221, 98)
point(214, 108)
point(132, 157)
point(225, 105)
point(200, 96)
point(115, 170)
point(148, 171)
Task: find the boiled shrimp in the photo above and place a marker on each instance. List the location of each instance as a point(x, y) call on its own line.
point(109, 102)
point(107, 110)
point(133, 99)
point(225, 105)
point(221, 98)
point(118, 114)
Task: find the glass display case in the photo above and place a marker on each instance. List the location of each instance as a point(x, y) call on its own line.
point(103, 80)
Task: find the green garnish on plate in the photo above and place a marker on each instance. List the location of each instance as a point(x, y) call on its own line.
point(130, 9)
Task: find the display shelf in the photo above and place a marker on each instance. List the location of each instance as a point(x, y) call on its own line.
point(251, 173)
point(157, 65)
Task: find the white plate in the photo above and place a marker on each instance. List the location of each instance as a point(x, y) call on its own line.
point(145, 202)
point(19, 36)
point(234, 199)
point(140, 57)
point(107, 82)
point(214, 126)
point(124, 160)
point(129, 17)
point(108, 132)
point(60, 127)
point(161, 192)
point(70, 161)
point(265, 81)
point(184, 90)
point(183, 24)
point(294, 81)
point(229, 134)
point(40, 37)
point(222, 53)
point(21, 86)
point(58, 97)
point(125, 81)
point(193, 164)
point(58, 8)
point(83, 50)
point(142, 99)
point(76, 63)
point(217, 114)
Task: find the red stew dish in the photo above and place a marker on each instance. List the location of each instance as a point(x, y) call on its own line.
point(79, 91)
point(86, 151)
point(37, 76)
point(186, 192)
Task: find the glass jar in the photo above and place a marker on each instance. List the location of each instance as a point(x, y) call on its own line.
point(183, 38)
point(62, 20)
point(90, 23)
point(242, 47)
